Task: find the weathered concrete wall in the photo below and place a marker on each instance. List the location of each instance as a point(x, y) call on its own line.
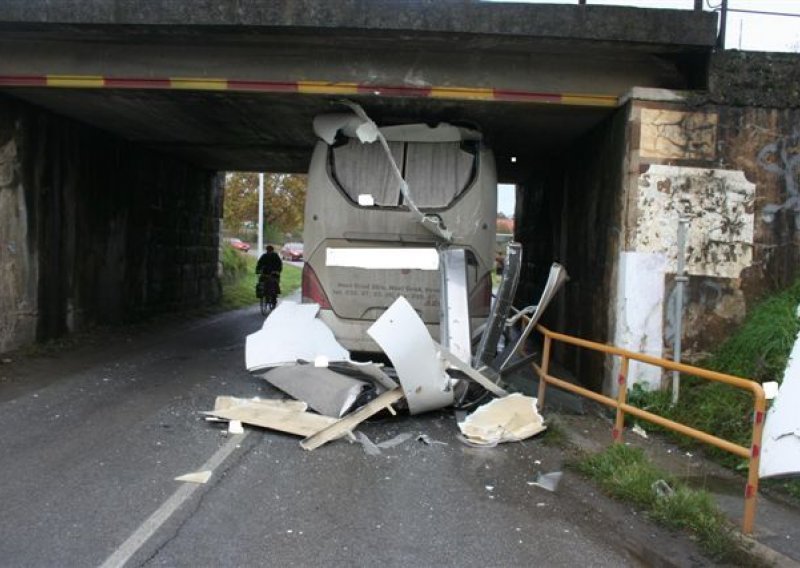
point(572, 214)
point(94, 229)
point(734, 173)
point(18, 262)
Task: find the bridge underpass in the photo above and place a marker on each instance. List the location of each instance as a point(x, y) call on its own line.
point(113, 126)
point(239, 92)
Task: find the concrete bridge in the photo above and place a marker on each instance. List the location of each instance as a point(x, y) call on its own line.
point(117, 115)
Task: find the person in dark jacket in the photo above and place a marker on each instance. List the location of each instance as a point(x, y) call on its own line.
point(270, 264)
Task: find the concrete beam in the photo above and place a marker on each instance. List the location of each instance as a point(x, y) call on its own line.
point(595, 23)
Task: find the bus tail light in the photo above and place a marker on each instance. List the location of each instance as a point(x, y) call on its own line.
point(480, 302)
point(312, 289)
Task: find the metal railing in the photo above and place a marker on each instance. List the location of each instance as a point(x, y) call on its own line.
point(752, 454)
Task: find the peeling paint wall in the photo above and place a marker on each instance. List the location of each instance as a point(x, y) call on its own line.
point(718, 205)
point(94, 229)
point(734, 172)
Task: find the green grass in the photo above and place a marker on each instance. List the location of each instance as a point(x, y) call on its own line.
point(239, 280)
point(555, 436)
point(758, 350)
point(625, 473)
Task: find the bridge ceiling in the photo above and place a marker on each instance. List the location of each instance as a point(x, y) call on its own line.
point(273, 132)
point(241, 95)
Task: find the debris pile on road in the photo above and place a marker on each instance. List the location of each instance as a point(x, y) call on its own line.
point(298, 354)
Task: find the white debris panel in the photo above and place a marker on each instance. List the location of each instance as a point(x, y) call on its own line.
point(404, 338)
point(780, 445)
point(292, 332)
point(509, 419)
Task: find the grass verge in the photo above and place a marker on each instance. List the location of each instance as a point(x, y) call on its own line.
point(625, 473)
point(758, 350)
point(239, 280)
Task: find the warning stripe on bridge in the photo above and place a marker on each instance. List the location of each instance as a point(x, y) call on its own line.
point(309, 87)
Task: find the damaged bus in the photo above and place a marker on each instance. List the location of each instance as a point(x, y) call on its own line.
point(374, 224)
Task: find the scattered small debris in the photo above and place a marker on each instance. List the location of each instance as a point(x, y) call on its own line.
point(548, 481)
point(396, 441)
point(369, 447)
point(662, 489)
point(427, 440)
point(639, 431)
point(235, 427)
point(196, 477)
point(6, 361)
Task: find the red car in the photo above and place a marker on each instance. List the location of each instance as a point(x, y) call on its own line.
point(292, 251)
point(239, 244)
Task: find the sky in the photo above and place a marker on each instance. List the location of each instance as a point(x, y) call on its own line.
point(750, 32)
point(744, 31)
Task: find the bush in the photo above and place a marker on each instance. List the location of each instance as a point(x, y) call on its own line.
point(234, 264)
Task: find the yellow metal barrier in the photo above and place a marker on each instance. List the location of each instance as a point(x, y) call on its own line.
point(620, 403)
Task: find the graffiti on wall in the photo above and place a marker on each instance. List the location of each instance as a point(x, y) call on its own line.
point(671, 134)
point(719, 207)
point(782, 158)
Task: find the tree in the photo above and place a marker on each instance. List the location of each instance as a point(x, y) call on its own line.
point(284, 200)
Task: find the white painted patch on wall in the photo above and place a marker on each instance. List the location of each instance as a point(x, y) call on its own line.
point(640, 300)
point(719, 204)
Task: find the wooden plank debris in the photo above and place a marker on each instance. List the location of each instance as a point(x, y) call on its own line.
point(284, 419)
point(344, 425)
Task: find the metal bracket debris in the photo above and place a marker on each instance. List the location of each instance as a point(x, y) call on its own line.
point(557, 277)
point(473, 374)
point(501, 306)
point(454, 320)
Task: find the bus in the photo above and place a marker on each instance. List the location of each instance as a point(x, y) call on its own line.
point(364, 245)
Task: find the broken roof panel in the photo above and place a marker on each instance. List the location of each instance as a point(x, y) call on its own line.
point(404, 338)
point(291, 332)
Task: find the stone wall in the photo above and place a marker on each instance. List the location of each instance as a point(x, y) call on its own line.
point(733, 173)
point(94, 229)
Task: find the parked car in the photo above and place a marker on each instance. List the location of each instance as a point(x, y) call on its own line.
point(239, 244)
point(292, 251)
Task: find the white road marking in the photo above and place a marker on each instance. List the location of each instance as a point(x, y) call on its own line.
point(149, 527)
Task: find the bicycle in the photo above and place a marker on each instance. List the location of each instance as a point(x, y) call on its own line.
point(267, 291)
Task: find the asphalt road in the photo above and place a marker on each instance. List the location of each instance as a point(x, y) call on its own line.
point(94, 436)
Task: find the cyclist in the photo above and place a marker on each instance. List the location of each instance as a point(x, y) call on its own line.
point(269, 262)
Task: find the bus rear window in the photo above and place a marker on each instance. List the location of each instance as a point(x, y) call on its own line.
point(436, 173)
point(363, 168)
